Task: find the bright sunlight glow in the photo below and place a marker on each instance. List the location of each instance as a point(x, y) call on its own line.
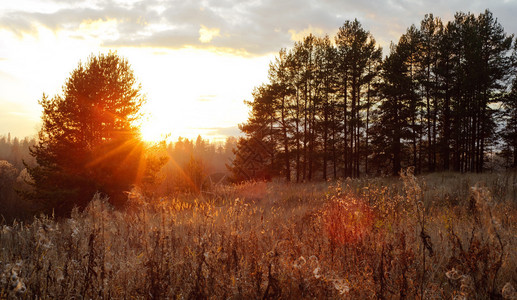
point(194, 92)
point(189, 91)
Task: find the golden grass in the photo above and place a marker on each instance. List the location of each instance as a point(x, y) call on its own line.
point(434, 237)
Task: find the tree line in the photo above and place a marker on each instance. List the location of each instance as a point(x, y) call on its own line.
point(442, 99)
point(193, 166)
point(13, 153)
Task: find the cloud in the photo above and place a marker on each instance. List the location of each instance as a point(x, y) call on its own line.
point(255, 27)
point(299, 35)
point(207, 34)
point(221, 131)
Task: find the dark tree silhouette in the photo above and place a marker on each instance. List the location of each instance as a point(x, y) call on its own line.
point(357, 56)
point(431, 103)
point(88, 142)
point(509, 131)
point(396, 107)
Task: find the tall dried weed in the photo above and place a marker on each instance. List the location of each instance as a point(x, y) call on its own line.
point(432, 237)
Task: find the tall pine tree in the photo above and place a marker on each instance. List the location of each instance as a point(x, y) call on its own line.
point(88, 142)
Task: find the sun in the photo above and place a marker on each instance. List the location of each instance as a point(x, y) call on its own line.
point(197, 92)
point(152, 132)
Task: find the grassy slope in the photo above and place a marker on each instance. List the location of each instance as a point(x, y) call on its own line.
point(438, 236)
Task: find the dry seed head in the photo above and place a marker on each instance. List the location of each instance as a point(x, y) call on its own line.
point(509, 292)
point(481, 196)
point(316, 273)
point(59, 275)
point(453, 274)
point(300, 262)
point(6, 229)
point(341, 286)
point(20, 288)
point(14, 277)
point(467, 284)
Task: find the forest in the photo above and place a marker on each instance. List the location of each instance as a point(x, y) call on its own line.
point(444, 98)
point(193, 166)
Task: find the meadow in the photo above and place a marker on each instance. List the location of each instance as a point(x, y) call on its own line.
point(437, 236)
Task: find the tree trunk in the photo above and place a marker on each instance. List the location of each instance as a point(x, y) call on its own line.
point(345, 121)
point(286, 144)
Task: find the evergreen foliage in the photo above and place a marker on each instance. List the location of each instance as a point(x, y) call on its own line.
point(88, 142)
point(339, 109)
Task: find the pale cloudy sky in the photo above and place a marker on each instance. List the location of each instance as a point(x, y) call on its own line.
point(197, 60)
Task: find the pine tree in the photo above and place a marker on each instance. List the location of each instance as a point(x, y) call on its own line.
point(357, 52)
point(88, 142)
point(509, 132)
point(394, 112)
point(482, 66)
point(430, 29)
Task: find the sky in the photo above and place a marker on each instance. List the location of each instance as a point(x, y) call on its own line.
point(197, 61)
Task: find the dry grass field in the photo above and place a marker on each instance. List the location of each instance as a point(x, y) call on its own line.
point(439, 236)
